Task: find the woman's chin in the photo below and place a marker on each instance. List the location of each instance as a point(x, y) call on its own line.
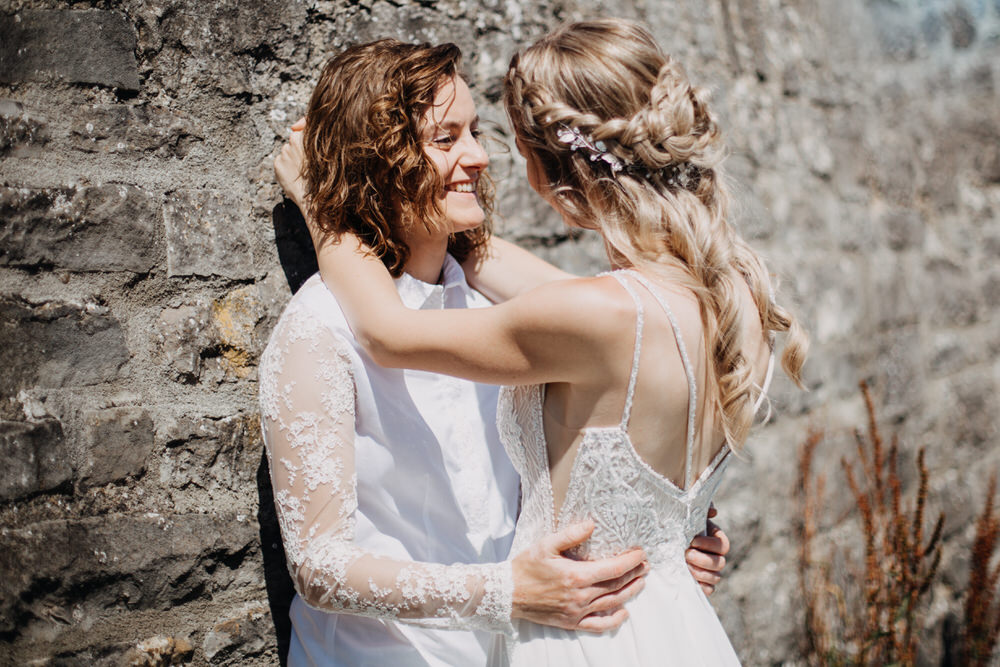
point(465, 221)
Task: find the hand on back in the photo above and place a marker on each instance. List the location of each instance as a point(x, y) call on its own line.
point(551, 589)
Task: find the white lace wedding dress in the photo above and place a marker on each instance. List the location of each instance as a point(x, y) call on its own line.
point(671, 621)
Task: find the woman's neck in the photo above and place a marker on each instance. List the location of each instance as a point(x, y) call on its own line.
point(427, 254)
point(616, 260)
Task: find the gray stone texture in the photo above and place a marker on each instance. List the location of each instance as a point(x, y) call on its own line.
point(17, 127)
point(95, 228)
point(144, 260)
point(58, 344)
point(84, 576)
point(206, 235)
point(131, 129)
point(78, 46)
point(34, 458)
point(118, 440)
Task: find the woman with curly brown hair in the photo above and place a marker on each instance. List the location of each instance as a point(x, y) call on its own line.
point(395, 499)
point(631, 389)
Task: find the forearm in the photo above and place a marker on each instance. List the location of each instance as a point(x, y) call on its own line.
point(308, 424)
point(336, 576)
point(503, 270)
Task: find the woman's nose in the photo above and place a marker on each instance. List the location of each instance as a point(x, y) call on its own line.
point(474, 155)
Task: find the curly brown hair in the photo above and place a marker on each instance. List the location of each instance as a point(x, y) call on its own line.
point(365, 167)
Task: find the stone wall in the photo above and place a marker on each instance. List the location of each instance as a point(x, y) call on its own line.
point(144, 258)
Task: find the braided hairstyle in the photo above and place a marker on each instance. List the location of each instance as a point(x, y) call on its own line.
point(649, 179)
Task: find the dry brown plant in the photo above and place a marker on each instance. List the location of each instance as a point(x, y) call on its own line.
point(982, 596)
point(878, 624)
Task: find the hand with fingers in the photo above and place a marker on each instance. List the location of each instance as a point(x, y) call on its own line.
point(707, 555)
point(551, 589)
point(289, 164)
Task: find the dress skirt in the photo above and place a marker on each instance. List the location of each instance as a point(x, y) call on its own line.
point(670, 622)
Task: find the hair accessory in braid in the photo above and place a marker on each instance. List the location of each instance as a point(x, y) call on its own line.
point(678, 174)
point(597, 149)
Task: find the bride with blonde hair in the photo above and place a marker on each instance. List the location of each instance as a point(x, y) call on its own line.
point(627, 392)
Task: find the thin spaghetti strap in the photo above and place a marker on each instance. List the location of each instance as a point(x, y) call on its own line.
point(630, 392)
point(688, 371)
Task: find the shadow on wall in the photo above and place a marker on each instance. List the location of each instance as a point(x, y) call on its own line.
point(298, 261)
point(280, 589)
point(295, 248)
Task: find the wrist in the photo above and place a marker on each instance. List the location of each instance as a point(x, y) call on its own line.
point(517, 574)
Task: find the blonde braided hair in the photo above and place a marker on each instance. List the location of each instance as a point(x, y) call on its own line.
point(608, 81)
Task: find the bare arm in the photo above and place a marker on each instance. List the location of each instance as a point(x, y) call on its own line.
point(546, 335)
point(307, 417)
point(504, 270)
point(501, 270)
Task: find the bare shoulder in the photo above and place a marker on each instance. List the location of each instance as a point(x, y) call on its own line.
point(598, 307)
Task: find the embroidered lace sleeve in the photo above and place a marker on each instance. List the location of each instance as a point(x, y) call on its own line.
point(307, 416)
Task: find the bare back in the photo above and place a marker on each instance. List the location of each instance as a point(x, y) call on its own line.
point(659, 417)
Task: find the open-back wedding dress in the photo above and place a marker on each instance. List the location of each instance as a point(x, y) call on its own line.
point(671, 621)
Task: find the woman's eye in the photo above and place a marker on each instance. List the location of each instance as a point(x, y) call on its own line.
point(444, 140)
point(477, 133)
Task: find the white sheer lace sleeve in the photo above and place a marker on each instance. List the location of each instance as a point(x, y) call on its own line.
point(307, 401)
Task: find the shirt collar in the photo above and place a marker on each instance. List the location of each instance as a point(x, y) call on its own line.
point(419, 295)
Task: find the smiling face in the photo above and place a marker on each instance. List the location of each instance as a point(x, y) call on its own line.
point(450, 137)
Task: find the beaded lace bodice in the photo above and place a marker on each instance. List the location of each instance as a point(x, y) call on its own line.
point(630, 503)
point(307, 399)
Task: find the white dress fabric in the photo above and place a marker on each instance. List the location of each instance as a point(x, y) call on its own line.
point(395, 498)
point(671, 621)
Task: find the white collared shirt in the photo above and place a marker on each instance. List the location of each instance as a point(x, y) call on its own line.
point(379, 474)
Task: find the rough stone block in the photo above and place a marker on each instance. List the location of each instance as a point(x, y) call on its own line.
point(123, 128)
point(932, 27)
point(904, 228)
point(833, 309)
point(949, 352)
point(100, 228)
point(81, 571)
point(58, 344)
point(87, 46)
point(899, 370)
point(211, 453)
point(899, 37)
point(207, 235)
point(18, 127)
point(264, 24)
point(988, 159)
point(240, 636)
point(975, 415)
point(237, 335)
point(950, 293)
point(893, 171)
point(991, 289)
point(182, 335)
point(33, 456)
point(160, 650)
point(963, 27)
point(226, 336)
point(119, 441)
point(896, 290)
